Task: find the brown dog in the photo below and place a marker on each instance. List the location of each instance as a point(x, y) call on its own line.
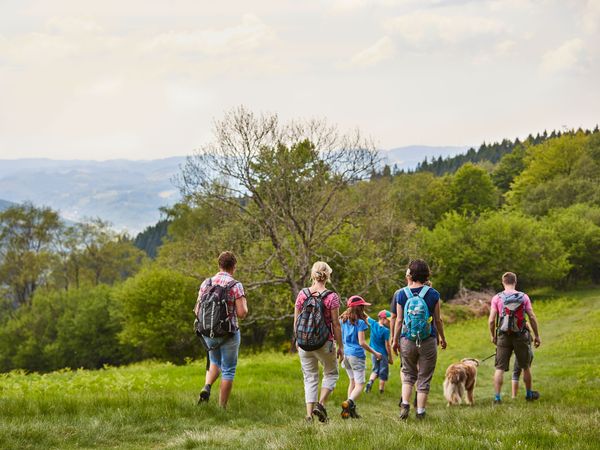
point(460, 377)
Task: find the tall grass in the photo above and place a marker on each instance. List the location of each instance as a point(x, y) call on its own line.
point(153, 405)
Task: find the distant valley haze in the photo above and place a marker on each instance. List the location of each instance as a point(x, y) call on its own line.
point(128, 193)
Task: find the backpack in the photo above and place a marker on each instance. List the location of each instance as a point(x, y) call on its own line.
point(512, 317)
point(417, 320)
point(311, 330)
point(213, 317)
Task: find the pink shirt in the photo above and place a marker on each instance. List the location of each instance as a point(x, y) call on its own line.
point(332, 301)
point(497, 302)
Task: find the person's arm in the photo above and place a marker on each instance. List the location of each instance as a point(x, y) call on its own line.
point(337, 332)
point(492, 322)
point(439, 324)
point(534, 325)
point(397, 327)
point(241, 307)
point(388, 348)
point(363, 343)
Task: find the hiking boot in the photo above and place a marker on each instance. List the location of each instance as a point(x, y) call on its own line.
point(204, 394)
point(320, 412)
point(421, 416)
point(346, 404)
point(308, 420)
point(368, 387)
point(404, 410)
point(353, 413)
point(534, 396)
point(381, 391)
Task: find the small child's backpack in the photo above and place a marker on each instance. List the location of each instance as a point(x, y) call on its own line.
point(512, 316)
point(311, 330)
point(417, 320)
point(213, 317)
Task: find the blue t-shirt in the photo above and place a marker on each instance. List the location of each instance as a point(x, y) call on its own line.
point(350, 337)
point(431, 298)
point(379, 336)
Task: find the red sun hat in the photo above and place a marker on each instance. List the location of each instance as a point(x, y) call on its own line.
point(356, 300)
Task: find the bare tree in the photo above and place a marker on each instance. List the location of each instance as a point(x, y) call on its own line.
point(289, 181)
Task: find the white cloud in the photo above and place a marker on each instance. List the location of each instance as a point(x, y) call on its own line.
point(569, 56)
point(422, 28)
point(249, 35)
point(381, 50)
point(591, 16)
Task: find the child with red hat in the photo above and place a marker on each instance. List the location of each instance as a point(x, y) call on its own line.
point(380, 341)
point(354, 324)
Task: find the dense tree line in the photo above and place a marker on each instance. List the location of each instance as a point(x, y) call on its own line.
point(282, 196)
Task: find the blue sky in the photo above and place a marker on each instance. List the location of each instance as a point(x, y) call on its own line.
point(145, 79)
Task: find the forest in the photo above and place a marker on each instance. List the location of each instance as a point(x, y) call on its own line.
point(282, 196)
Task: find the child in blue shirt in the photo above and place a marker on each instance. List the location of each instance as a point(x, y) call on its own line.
point(353, 322)
point(380, 342)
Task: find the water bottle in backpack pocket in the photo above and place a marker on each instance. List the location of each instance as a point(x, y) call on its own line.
point(416, 325)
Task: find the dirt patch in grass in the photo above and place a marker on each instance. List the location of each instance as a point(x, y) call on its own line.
point(467, 304)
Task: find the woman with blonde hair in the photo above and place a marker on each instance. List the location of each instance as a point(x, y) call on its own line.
point(316, 327)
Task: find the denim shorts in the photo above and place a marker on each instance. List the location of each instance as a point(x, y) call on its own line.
point(380, 367)
point(225, 357)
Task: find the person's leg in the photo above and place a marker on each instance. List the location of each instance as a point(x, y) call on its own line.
point(212, 374)
point(409, 355)
point(327, 357)
point(229, 357)
point(383, 373)
point(426, 368)
point(527, 378)
point(310, 372)
point(359, 369)
point(350, 387)
point(523, 355)
point(213, 371)
point(504, 350)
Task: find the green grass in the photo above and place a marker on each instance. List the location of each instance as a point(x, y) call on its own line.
point(152, 405)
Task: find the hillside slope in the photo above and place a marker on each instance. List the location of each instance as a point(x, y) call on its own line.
point(153, 405)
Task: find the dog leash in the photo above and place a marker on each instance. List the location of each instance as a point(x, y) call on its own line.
point(485, 359)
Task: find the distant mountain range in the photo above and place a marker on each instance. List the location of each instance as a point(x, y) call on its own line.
point(127, 193)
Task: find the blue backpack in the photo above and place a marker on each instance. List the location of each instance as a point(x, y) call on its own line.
point(417, 320)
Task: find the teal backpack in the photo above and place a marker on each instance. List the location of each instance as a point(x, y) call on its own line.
point(417, 320)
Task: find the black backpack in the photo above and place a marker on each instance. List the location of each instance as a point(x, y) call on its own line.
point(213, 316)
point(311, 330)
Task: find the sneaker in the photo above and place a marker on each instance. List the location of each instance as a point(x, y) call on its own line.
point(368, 387)
point(534, 396)
point(308, 419)
point(404, 410)
point(421, 416)
point(204, 394)
point(353, 412)
point(321, 413)
point(346, 404)
point(381, 391)
point(497, 401)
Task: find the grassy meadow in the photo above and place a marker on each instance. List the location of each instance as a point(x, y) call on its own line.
point(153, 405)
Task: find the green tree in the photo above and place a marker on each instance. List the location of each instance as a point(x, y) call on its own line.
point(26, 236)
point(472, 190)
point(156, 308)
point(558, 173)
point(510, 166)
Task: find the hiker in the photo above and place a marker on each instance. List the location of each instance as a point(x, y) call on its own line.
point(420, 328)
point(379, 341)
point(354, 324)
point(223, 340)
point(516, 375)
point(508, 332)
point(316, 327)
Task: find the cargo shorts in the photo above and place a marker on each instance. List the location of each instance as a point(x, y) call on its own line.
point(506, 344)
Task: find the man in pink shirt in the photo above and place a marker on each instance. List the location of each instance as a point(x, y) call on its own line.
point(509, 333)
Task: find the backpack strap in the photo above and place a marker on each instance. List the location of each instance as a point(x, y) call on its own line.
point(307, 293)
point(231, 284)
point(323, 295)
point(424, 291)
point(408, 292)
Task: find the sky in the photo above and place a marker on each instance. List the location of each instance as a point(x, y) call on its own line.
point(146, 79)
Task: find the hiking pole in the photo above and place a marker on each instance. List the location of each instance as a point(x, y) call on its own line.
point(485, 359)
